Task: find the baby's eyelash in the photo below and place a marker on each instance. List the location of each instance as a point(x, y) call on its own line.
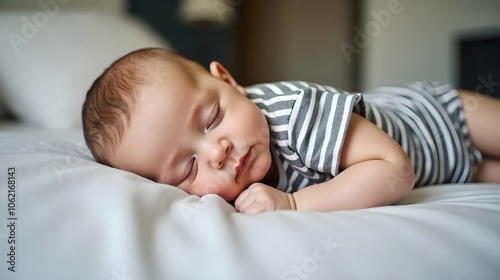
point(217, 118)
point(191, 171)
point(219, 114)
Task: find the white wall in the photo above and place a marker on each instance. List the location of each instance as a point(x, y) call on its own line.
point(417, 42)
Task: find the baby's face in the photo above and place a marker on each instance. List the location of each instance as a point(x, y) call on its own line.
point(204, 138)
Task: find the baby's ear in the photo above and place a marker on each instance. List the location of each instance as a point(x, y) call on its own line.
point(220, 72)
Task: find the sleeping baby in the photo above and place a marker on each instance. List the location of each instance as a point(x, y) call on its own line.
point(285, 145)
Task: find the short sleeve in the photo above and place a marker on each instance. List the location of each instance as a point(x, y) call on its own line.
point(318, 126)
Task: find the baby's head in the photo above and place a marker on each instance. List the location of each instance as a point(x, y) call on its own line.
point(166, 118)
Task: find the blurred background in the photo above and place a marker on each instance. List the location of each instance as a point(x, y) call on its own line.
point(350, 44)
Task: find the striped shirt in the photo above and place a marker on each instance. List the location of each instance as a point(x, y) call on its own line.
point(308, 124)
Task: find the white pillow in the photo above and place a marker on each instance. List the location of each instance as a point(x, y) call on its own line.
point(49, 61)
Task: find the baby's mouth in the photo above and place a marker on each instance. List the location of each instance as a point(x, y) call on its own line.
point(242, 165)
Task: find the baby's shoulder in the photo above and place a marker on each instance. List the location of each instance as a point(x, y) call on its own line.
point(291, 87)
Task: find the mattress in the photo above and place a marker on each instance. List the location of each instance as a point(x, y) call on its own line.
point(64, 216)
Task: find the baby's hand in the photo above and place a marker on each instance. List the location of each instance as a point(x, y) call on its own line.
point(261, 198)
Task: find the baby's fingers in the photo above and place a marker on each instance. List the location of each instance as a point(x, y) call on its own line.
point(254, 207)
point(248, 203)
point(242, 200)
point(251, 206)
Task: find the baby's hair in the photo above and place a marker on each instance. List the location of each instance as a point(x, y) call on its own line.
point(111, 98)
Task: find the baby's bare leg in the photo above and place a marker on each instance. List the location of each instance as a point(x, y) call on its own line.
point(482, 115)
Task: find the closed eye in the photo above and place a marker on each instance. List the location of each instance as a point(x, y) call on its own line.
point(192, 170)
point(216, 119)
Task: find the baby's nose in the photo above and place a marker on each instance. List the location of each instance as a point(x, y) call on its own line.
point(218, 153)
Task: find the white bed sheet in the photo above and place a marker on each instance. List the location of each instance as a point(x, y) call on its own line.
point(77, 219)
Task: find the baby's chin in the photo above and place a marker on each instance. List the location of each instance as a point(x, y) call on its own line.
point(228, 191)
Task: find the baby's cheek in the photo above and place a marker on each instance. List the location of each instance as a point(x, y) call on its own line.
point(212, 185)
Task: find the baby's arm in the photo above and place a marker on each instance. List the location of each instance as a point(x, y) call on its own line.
point(376, 172)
